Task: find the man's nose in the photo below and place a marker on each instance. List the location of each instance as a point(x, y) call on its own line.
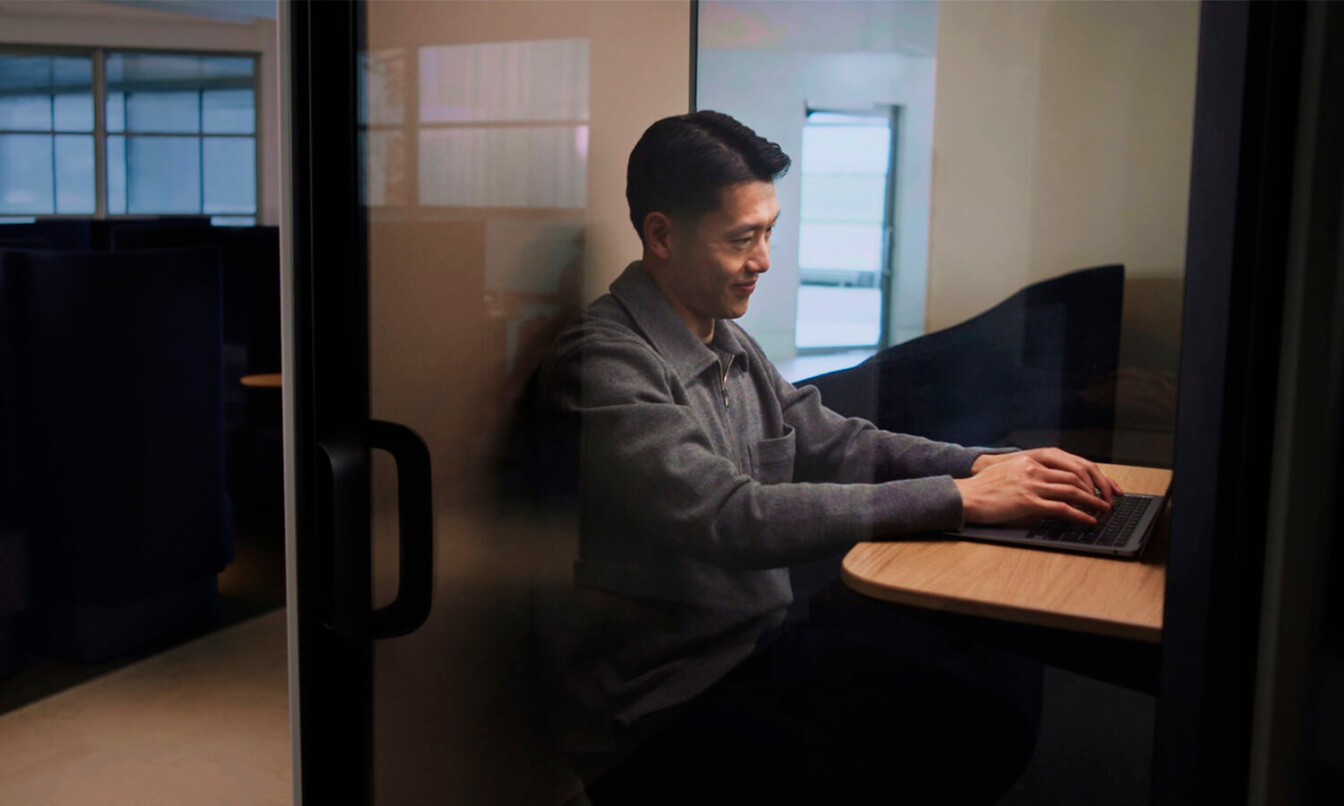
point(761, 259)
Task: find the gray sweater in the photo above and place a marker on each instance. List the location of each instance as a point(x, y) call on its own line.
point(703, 476)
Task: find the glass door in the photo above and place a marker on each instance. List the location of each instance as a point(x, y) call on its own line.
point(458, 192)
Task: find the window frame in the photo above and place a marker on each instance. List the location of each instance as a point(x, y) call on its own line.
point(99, 55)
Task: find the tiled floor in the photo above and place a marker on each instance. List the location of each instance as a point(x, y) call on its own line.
point(204, 723)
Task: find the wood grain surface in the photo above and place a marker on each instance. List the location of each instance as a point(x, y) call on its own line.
point(1101, 595)
point(269, 380)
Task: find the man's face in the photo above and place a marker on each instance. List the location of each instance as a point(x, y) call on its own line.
point(714, 262)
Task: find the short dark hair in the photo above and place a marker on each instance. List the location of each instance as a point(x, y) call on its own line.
point(682, 163)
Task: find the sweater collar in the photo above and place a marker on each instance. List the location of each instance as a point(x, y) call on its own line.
point(665, 330)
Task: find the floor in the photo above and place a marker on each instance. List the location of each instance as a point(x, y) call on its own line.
point(204, 723)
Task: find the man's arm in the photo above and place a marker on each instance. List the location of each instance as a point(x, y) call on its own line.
point(847, 449)
point(647, 466)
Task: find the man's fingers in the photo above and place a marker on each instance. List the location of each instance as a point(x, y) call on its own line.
point(1062, 511)
point(1071, 495)
point(1065, 477)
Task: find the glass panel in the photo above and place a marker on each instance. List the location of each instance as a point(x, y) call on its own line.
point(543, 80)
point(25, 112)
point(72, 83)
point(852, 199)
point(163, 112)
point(74, 113)
point(26, 181)
point(74, 174)
point(229, 111)
point(30, 84)
point(116, 112)
point(116, 175)
point(846, 149)
point(504, 167)
point(838, 317)
point(855, 247)
point(230, 175)
point(163, 175)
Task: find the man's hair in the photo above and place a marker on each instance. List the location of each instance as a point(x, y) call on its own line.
point(682, 163)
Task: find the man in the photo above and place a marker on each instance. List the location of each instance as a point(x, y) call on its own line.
point(703, 475)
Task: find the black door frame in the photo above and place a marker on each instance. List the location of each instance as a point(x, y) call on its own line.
point(1248, 92)
point(330, 368)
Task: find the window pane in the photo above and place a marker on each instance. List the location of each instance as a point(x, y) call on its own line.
point(850, 199)
point(536, 80)
point(25, 92)
point(163, 112)
point(846, 149)
point(25, 112)
point(29, 84)
point(163, 175)
point(26, 183)
point(116, 112)
point(230, 175)
point(504, 167)
point(72, 83)
point(856, 247)
point(74, 173)
point(229, 112)
point(74, 113)
point(116, 175)
point(838, 317)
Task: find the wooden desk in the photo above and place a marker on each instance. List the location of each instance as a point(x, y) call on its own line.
point(271, 380)
point(1098, 595)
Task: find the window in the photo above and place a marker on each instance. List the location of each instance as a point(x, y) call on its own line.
point(178, 134)
point(843, 231)
point(46, 134)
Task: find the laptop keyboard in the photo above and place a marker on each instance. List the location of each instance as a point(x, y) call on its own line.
point(1113, 528)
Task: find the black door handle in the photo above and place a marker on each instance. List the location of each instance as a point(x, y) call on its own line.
point(415, 506)
point(347, 554)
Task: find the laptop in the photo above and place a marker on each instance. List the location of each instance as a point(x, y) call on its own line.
point(1122, 532)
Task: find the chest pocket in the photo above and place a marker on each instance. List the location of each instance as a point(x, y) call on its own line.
point(772, 459)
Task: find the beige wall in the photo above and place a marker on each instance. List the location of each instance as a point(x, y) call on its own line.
point(86, 24)
point(1062, 139)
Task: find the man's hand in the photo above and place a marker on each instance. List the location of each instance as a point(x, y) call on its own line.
point(1043, 482)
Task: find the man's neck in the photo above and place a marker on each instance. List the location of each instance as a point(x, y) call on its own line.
point(701, 327)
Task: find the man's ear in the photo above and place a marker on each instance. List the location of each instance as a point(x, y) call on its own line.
point(658, 234)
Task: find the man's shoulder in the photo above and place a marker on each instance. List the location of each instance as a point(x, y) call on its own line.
point(603, 320)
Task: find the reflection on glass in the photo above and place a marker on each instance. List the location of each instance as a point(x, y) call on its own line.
point(502, 167)
point(497, 81)
point(163, 175)
point(382, 96)
point(384, 176)
point(26, 182)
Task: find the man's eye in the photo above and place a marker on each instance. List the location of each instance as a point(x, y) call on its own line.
point(742, 241)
